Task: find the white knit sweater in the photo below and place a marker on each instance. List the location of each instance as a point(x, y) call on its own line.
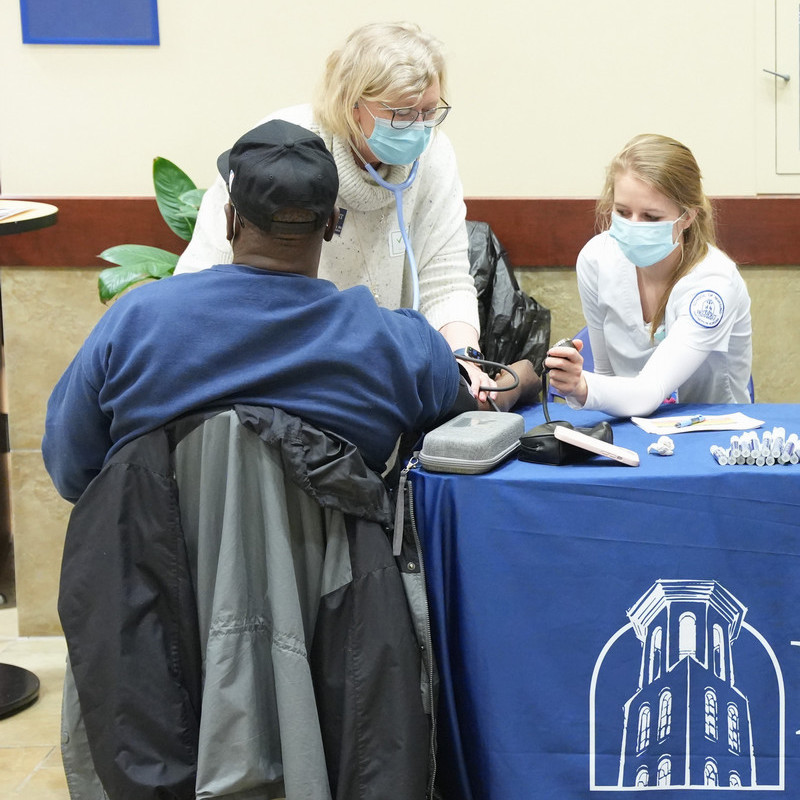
point(369, 249)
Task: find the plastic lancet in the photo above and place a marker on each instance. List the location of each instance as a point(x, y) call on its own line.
point(397, 190)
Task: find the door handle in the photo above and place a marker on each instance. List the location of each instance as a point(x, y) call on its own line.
point(778, 74)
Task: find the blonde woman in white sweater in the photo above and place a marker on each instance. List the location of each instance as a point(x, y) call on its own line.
point(382, 91)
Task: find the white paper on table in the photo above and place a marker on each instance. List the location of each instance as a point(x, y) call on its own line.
point(712, 422)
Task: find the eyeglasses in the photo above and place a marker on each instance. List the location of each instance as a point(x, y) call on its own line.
point(405, 117)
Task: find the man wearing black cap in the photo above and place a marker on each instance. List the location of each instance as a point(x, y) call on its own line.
point(261, 331)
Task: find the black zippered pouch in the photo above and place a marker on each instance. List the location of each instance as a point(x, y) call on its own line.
point(540, 445)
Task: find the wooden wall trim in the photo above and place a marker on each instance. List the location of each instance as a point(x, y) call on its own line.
point(86, 226)
point(535, 231)
point(540, 232)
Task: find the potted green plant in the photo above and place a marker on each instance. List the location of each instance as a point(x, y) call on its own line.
point(178, 201)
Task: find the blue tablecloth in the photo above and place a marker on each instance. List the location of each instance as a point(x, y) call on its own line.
point(598, 625)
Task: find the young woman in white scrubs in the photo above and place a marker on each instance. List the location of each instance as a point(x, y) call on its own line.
point(667, 312)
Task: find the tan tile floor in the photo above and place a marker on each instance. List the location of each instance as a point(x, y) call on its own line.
point(30, 754)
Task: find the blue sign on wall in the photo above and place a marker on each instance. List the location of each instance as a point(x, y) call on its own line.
point(132, 22)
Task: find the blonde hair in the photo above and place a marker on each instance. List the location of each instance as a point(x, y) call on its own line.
point(669, 167)
point(379, 61)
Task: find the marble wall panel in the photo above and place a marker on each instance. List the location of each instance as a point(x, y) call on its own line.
point(49, 312)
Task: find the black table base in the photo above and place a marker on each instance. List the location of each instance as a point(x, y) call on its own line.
point(19, 688)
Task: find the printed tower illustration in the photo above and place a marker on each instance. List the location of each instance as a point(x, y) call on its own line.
point(687, 724)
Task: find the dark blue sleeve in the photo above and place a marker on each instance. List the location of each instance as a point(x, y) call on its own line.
point(77, 432)
point(438, 376)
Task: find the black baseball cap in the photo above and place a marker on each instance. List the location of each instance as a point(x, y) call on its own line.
point(280, 165)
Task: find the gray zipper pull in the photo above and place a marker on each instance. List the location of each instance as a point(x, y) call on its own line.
point(399, 508)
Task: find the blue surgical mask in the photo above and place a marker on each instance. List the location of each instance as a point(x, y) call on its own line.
point(643, 243)
point(398, 145)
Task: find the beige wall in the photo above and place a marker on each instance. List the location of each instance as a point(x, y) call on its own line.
point(543, 93)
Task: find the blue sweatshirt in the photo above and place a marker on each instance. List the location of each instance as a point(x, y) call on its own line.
point(237, 334)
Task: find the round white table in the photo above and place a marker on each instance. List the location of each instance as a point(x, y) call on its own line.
point(19, 216)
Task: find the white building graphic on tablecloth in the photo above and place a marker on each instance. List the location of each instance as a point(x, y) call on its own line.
point(687, 723)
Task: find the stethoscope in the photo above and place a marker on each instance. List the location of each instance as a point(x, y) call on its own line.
point(397, 190)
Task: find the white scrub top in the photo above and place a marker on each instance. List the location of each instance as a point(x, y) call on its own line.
point(708, 311)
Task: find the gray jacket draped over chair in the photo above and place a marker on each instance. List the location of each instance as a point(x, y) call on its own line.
point(236, 623)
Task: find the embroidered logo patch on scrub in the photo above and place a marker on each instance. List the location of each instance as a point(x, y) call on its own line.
point(707, 309)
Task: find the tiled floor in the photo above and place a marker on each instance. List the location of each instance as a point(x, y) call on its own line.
point(30, 754)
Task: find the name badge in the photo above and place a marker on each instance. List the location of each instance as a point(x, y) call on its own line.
point(340, 222)
point(397, 246)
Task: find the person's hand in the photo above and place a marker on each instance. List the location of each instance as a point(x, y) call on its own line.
point(478, 378)
point(530, 384)
point(565, 371)
point(461, 335)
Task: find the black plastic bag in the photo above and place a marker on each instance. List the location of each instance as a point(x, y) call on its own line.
point(513, 325)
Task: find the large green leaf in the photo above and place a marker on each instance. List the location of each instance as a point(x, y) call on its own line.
point(192, 198)
point(171, 184)
point(156, 262)
point(137, 262)
point(178, 201)
point(115, 280)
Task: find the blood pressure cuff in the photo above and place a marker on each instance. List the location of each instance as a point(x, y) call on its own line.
point(465, 400)
point(540, 445)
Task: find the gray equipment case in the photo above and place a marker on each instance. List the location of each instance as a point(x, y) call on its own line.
point(472, 442)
